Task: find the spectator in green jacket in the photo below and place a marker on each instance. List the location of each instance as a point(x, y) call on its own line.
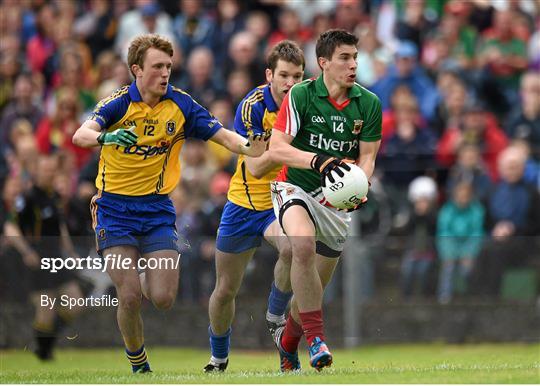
point(459, 239)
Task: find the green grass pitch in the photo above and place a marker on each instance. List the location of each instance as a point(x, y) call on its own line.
point(419, 363)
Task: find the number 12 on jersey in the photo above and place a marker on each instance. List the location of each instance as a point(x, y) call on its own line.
point(149, 130)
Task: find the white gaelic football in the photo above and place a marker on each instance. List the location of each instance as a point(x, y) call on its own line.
point(347, 191)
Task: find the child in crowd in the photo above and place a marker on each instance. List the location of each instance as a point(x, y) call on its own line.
point(459, 239)
point(420, 233)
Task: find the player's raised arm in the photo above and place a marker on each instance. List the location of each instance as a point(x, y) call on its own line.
point(253, 146)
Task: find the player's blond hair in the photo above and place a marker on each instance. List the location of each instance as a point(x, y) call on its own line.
point(141, 44)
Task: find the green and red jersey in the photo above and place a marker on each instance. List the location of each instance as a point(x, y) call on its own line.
point(319, 125)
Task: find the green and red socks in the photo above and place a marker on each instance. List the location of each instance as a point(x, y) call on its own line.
point(312, 323)
point(312, 327)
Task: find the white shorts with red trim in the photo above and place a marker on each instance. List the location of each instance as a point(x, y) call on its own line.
point(331, 225)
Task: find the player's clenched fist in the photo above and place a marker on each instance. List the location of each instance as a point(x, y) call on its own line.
point(122, 137)
point(255, 145)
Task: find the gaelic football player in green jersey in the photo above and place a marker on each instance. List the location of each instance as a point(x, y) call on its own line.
point(323, 123)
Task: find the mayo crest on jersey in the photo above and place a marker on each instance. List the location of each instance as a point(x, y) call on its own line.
point(152, 166)
point(256, 114)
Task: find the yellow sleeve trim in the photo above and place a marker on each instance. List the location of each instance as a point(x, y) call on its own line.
point(115, 95)
point(247, 107)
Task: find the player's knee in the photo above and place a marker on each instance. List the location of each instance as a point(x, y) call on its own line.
point(285, 254)
point(163, 303)
point(303, 250)
point(130, 301)
point(163, 300)
point(224, 294)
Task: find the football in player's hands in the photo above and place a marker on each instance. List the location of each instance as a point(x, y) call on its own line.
point(326, 164)
point(349, 191)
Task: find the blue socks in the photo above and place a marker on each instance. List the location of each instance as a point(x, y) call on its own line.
point(278, 301)
point(220, 345)
point(138, 360)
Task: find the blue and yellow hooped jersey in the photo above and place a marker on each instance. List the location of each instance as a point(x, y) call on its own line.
point(256, 114)
point(152, 166)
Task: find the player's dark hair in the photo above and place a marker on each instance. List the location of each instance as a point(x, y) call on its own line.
point(328, 42)
point(288, 51)
point(141, 44)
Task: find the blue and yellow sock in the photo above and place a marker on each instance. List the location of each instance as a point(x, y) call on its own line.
point(277, 304)
point(138, 360)
point(219, 345)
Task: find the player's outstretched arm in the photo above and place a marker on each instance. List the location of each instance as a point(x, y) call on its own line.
point(253, 146)
point(89, 135)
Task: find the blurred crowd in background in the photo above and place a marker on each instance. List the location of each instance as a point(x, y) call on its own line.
point(454, 207)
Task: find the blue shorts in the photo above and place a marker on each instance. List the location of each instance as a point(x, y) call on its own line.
point(241, 229)
point(145, 222)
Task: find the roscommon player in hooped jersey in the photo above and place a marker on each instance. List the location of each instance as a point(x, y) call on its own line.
point(141, 129)
point(248, 215)
point(322, 123)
